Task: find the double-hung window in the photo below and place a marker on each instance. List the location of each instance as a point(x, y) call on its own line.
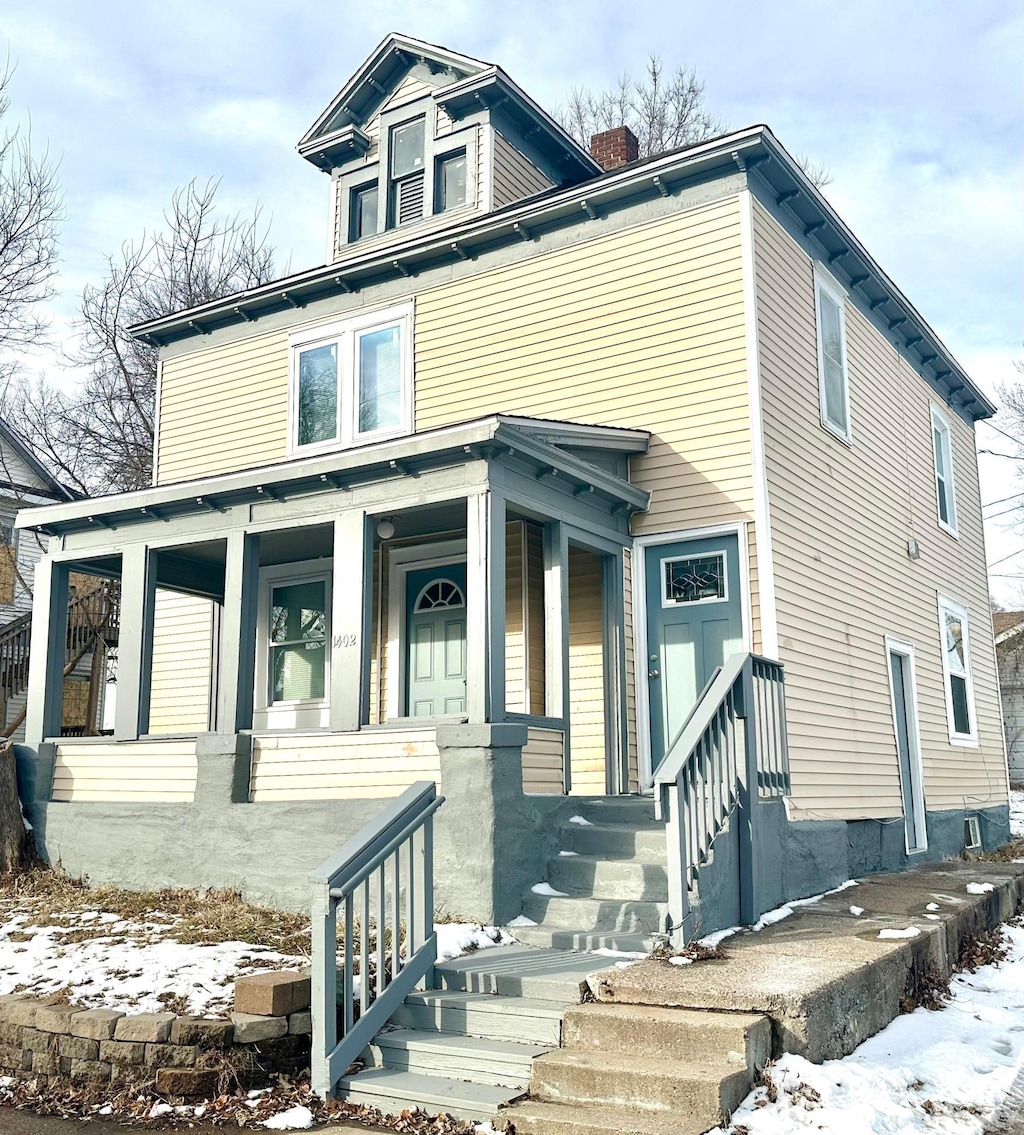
point(408, 190)
point(450, 182)
point(352, 381)
point(942, 445)
point(833, 381)
point(955, 644)
point(363, 211)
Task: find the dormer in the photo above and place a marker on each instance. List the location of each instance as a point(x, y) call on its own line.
point(421, 138)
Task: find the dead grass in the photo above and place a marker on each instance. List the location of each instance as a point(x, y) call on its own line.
point(191, 917)
point(695, 952)
point(1005, 854)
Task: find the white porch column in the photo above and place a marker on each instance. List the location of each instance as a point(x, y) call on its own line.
point(46, 652)
point(485, 607)
point(350, 622)
point(237, 654)
point(556, 633)
point(135, 642)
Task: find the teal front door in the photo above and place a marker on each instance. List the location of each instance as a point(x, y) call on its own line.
point(436, 633)
point(694, 622)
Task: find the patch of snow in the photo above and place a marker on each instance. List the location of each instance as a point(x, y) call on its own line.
point(979, 888)
point(457, 938)
point(566, 854)
point(548, 891)
point(934, 917)
point(907, 932)
point(933, 906)
point(522, 920)
point(856, 911)
point(680, 960)
point(1016, 812)
point(106, 1109)
point(711, 941)
point(294, 1119)
point(580, 820)
point(159, 1109)
point(899, 1081)
point(770, 917)
point(605, 952)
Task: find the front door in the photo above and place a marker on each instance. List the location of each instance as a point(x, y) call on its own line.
point(905, 724)
point(436, 634)
point(694, 622)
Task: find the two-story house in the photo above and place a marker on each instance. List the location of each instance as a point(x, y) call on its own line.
point(490, 497)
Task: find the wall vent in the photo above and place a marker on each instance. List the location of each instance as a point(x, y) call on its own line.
point(409, 206)
point(972, 833)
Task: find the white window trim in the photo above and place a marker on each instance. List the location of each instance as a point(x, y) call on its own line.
point(951, 606)
point(667, 603)
point(343, 333)
point(311, 713)
point(906, 649)
point(942, 423)
point(825, 282)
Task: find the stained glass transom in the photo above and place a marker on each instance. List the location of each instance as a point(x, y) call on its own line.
point(695, 578)
point(439, 594)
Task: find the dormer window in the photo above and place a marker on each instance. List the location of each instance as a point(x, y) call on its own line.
point(363, 211)
point(450, 182)
point(407, 180)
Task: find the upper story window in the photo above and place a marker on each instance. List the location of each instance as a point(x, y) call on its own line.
point(408, 190)
point(351, 382)
point(362, 211)
point(450, 182)
point(833, 382)
point(956, 671)
point(942, 443)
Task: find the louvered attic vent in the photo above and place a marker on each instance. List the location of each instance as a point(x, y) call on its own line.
point(409, 206)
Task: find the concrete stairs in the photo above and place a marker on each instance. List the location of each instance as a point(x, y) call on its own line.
point(611, 875)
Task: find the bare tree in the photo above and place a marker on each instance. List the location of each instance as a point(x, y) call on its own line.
point(30, 214)
point(99, 437)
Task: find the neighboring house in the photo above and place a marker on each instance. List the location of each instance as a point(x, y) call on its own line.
point(1009, 632)
point(489, 497)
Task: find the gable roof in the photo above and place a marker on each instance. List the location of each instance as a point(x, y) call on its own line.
point(49, 485)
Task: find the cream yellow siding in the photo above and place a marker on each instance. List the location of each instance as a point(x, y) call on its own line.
point(586, 675)
point(369, 765)
point(408, 90)
point(841, 517)
point(515, 176)
point(516, 611)
point(121, 772)
point(543, 769)
point(535, 620)
point(179, 700)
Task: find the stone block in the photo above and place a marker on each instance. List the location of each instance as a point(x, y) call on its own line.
point(134, 1076)
point(122, 1052)
point(35, 1041)
point(22, 1011)
point(171, 1055)
point(301, 1022)
point(190, 1082)
point(46, 1063)
point(153, 1028)
point(78, 1047)
point(10, 1057)
point(202, 1031)
point(96, 1024)
point(56, 1018)
point(272, 994)
point(10, 1034)
point(251, 1028)
point(8, 1001)
point(92, 1071)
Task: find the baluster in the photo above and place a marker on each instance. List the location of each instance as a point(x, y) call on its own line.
point(364, 950)
point(347, 984)
point(382, 929)
point(396, 914)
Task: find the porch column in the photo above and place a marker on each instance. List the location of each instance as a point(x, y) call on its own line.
point(237, 654)
point(485, 607)
point(135, 642)
point(46, 652)
point(350, 622)
point(556, 633)
point(614, 649)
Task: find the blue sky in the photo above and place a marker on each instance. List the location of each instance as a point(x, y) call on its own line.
point(915, 105)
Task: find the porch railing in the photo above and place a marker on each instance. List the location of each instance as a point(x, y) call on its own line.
point(368, 882)
point(730, 753)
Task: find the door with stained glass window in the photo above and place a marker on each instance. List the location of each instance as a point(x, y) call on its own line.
point(436, 633)
point(694, 622)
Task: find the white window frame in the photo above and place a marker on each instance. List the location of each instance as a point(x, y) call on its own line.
point(668, 603)
point(952, 607)
point(941, 424)
point(825, 282)
point(344, 333)
point(306, 713)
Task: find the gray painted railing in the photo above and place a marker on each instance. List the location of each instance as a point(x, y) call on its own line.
point(730, 752)
point(385, 869)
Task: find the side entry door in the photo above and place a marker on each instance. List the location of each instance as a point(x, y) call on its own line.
point(436, 633)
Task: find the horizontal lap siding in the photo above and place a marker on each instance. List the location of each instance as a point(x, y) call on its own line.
point(154, 771)
point(586, 674)
point(515, 624)
point(543, 762)
point(179, 700)
point(361, 766)
point(841, 517)
point(515, 176)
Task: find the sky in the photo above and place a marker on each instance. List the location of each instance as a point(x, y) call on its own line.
point(915, 106)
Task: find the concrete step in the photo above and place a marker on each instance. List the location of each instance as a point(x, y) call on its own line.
point(482, 1015)
point(504, 1063)
point(393, 1092)
point(559, 938)
point(556, 976)
point(575, 913)
point(609, 878)
point(703, 1091)
point(740, 1040)
point(532, 1117)
point(616, 841)
point(618, 809)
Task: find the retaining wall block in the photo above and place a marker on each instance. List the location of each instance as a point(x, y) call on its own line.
point(186, 1082)
point(122, 1052)
point(22, 1011)
point(250, 1028)
point(10, 1057)
point(46, 1063)
point(94, 1071)
point(35, 1041)
point(56, 1018)
point(171, 1055)
point(202, 1031)
point(7, 1003)
point(96, 1024)
point(301, 1022)
point(153, 1028)
point(78, 1047)
point(272, 994)
point(10, 1034)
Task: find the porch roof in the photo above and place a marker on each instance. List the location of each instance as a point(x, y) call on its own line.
point(543, 443)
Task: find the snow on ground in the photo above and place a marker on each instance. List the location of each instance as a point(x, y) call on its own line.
point(770, 917)
point(935, 1072)
point(1016, 812)
point(457, 938)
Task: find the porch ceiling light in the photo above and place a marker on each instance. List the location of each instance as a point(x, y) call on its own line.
point(385, 529)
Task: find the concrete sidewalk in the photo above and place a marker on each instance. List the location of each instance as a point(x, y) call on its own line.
point(827, 976)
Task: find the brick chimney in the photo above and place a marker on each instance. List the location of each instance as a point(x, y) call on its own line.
point(614, 148)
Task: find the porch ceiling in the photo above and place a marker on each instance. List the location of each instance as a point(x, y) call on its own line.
point(537, 442)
